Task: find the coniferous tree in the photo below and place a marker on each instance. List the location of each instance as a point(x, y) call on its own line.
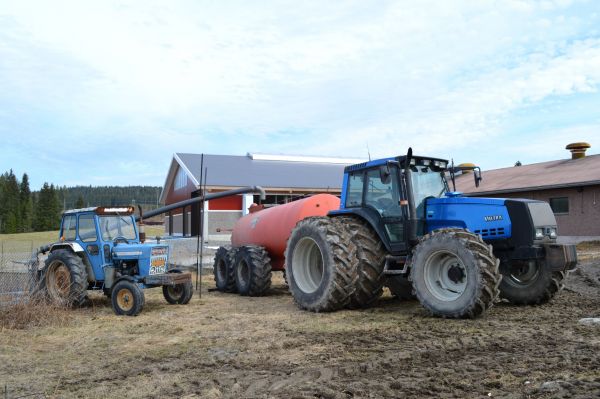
point(25, 203)
point(47, 209)
point(10, 203)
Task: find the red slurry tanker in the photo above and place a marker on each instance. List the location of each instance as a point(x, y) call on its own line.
point(259, 241)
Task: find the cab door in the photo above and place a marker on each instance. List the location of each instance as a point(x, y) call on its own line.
point(382, 193)
point(88, 236)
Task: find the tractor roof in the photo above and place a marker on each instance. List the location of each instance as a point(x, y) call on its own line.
point(104, 210)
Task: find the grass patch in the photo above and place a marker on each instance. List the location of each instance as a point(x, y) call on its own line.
point(588, 246)
point(30, 313)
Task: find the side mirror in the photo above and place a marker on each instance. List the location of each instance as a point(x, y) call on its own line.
point(385, 174)
point(477, 176)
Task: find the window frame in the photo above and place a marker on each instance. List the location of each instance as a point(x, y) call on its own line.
point(62, 227)
point(93, 220)
point(550, 202)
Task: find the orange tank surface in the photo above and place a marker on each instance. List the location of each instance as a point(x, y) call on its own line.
point(271, 227)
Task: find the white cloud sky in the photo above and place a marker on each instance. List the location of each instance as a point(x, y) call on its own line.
point(104, 92)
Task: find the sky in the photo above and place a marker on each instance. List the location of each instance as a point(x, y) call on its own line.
point(104, 92)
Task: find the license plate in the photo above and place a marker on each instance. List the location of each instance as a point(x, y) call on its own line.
point(158, 266)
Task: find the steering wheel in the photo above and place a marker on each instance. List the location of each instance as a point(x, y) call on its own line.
point(119, 239)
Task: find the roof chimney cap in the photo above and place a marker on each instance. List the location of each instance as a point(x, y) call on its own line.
point(578, 149)
point(466, 167)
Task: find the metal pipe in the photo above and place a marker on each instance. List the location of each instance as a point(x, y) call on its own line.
point(412, 210)
point(208, 197)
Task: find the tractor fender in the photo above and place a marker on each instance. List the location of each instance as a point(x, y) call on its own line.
point(73, 246)
point(371, 216)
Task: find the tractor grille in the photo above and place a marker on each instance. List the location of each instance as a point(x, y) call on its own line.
point(495, 232)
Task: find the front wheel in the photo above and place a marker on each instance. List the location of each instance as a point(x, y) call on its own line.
point(454, 274)
point(127, 298)
point(528, 283)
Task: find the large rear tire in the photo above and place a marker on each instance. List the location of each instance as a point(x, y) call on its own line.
point(528, 283)
point(319, 264)
point(64, 279)
point(455, 274)
point(370, 262)
point(252, 270)
point(223, 269)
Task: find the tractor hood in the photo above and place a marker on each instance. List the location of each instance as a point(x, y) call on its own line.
point(487, 217)
point(139, 251)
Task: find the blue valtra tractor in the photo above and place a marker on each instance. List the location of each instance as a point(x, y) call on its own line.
point(400, 225)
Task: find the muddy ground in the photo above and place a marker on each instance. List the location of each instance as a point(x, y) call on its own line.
point(226, 346)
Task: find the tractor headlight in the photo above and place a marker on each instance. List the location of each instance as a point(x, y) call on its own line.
point(553, 232)
point(539, 234)
point(426, 162)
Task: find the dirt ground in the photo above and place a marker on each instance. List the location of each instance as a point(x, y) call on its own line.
point(227, 346)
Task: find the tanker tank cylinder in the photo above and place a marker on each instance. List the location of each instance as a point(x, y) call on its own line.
point(271, 227)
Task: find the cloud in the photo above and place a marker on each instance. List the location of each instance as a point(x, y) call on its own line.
point(122, 86)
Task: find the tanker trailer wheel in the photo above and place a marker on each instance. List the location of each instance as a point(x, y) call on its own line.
point(178, 294)
point(319, 262)
point(528, 283)
point(368, 270)
point(455, 274)
point(127, 298)
point(252, 268)
point(223, 269)
point(400, 287)
point(64, 279)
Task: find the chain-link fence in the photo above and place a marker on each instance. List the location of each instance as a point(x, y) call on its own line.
point(17, 270)
point(18, 267)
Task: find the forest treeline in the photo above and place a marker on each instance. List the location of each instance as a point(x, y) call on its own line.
point(23, 210)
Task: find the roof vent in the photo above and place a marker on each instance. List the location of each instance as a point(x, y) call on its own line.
point(577, 149)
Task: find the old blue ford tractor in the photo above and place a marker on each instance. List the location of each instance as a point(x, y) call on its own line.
point(100, 249)
point(400, 225)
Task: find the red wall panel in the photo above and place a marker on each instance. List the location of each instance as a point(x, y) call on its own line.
point(233, 203)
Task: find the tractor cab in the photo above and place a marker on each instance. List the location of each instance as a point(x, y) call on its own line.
point(393, 197)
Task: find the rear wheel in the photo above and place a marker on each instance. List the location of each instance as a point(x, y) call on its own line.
point(370, 262)
point(127, 298)
point(252, 270)
point(528, 283)
point(319, 259)
point(454, 274)
point(64, 279)
point(223, 269)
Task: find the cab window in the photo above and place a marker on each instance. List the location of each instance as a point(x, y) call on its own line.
point(354, 190)
point(69, 225)
point(382, 192)
point(87, 228)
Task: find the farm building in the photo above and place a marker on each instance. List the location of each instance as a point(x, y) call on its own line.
point(284, 179)
point(571, 186)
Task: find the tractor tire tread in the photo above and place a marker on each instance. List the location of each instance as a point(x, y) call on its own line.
point(488, 292)
point(370, 263)
point(78, 273)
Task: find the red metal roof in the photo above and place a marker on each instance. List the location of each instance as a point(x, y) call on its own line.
point(537, 176)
